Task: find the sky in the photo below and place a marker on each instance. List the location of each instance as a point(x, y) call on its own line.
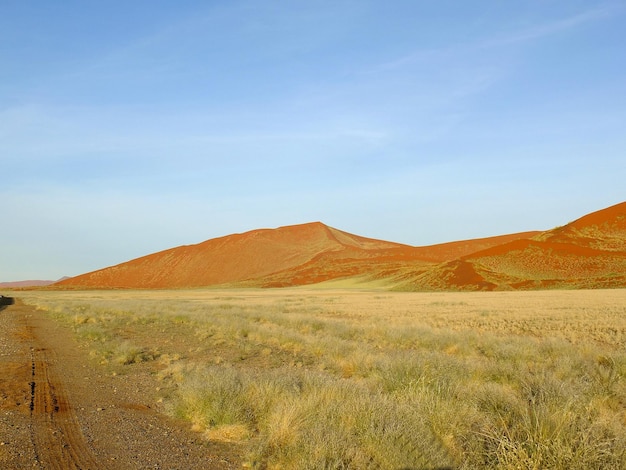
point(130, 127)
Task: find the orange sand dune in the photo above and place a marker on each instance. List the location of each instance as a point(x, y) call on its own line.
point(589, 252)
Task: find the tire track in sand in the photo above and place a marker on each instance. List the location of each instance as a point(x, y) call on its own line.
point(55, 432)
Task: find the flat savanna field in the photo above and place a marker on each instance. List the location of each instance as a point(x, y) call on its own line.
point(331, 378)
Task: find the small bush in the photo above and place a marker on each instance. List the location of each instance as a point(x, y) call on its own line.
point(305, 420)
point(127, 353)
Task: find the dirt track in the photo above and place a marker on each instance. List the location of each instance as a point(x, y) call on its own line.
point(59, 411)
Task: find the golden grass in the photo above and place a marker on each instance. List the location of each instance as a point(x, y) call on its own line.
point(332, 378)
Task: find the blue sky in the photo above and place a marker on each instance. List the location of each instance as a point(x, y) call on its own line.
point(131, 127)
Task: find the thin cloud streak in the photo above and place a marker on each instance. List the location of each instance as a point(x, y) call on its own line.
point(552, 28)
point(517, 37)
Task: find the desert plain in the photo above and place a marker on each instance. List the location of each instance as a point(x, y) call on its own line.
point(328, 376)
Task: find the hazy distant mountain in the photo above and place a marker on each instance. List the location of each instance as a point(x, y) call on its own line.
point(587, 253)
point(29, 283)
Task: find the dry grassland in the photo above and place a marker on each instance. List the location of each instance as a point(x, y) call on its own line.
point(339, 379)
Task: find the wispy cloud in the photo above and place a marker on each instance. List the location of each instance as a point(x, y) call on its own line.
point(551, 28)
point(519, 36)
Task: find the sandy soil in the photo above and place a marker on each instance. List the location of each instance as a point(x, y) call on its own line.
point(59, 411)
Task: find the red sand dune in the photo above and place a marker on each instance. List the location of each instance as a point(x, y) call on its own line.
point(589, 252)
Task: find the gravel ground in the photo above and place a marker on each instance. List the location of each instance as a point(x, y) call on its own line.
point(59, 410)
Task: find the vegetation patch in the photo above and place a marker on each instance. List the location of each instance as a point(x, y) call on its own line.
point(345, 379)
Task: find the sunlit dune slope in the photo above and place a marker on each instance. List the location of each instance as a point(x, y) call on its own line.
point(589, 252)
point(603, 230)
point(389, 263)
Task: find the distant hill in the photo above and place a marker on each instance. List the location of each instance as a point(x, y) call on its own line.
point(587, 253)
point(29, 283)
